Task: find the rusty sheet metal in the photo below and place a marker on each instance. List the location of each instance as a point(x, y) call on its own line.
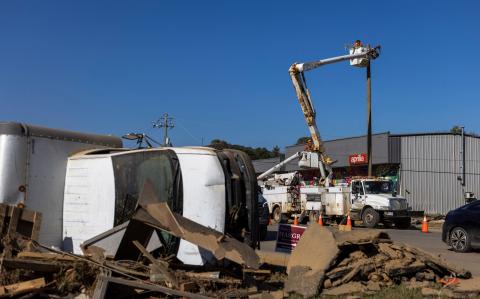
point(157, 214)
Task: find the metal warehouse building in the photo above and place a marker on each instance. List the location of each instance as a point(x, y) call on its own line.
point(430, 169)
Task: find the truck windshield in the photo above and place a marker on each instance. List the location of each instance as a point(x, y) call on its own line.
point(376, 187)
point(132, 170)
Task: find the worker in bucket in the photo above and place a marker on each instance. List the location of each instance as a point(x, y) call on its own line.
point(309, 145)
point(357, 44)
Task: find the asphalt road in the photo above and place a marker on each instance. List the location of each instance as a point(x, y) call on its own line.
point(430, 242)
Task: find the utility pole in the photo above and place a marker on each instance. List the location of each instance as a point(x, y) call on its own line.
point(463, 155)
point(165, 122)
point(369, 120)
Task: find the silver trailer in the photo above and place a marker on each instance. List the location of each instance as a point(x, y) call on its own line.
point(33, 163)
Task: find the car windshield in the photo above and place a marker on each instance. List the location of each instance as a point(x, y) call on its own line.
point(376, 187)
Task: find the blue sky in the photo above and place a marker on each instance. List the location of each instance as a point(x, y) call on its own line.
point(221, 67)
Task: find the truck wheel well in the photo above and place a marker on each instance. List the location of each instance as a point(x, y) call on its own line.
point(274, 207)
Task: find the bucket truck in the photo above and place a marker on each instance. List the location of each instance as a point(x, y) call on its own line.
point(287, 195)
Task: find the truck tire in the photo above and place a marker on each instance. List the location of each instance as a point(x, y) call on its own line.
point(403, 223)
point(370, 217)
point(277, 215)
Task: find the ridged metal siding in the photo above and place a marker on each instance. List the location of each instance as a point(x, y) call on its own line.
point(340, 150)
point(430, 166)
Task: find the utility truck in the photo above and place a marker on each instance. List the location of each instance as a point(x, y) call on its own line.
point(371, 200)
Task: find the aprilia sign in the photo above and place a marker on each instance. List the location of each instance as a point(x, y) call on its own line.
point(357, 159)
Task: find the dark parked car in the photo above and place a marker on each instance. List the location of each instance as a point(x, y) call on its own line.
point(461, 229)
point(264, 216)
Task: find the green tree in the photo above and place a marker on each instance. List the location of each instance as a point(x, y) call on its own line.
point(276, 151)
point(456, 130)
point(255, 153)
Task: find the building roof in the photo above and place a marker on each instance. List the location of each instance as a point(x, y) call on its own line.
point(263, 165)
point(432, 134)
point(343, 138)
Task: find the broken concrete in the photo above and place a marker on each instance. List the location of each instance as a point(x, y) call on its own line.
point(363, 261)
point(312, 257)
point(359, 237)
point(280, 259)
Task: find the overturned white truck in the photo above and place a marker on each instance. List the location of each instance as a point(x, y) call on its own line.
point(217, 189)
point(85, 184)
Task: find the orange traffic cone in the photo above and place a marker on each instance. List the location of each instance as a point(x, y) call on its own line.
point(320, 219)
point(295, 220)
point(349, 222)
point(424, 224)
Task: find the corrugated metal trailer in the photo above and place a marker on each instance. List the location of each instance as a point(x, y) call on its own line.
point(431, 168)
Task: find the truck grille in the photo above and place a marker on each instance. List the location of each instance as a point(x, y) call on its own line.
point(398, 204)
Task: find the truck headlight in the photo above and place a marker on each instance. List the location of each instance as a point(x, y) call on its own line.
point(383, 207)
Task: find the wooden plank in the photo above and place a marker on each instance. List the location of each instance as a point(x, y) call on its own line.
point(113, 265)
point(22, 287)
point(161, 266)
point(101, 286)
point(25, 215)
point(37, 222)
point(14, 218)
point(3, 215)
point(45, 256)
point(38, 266)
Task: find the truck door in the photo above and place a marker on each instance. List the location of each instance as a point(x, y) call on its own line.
point(358, 195)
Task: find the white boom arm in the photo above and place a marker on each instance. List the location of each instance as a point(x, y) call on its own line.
point(303, 94)
point(276, 167)
point(306, 160)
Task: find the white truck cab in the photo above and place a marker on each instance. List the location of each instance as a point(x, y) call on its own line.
point(375, 200)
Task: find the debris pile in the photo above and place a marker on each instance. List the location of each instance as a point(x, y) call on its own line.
point(132, 271)
point(323, 262)
point(362, 261)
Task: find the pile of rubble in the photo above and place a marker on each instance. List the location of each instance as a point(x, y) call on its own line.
point(324, 262)
point(366, 261)
point(131, 271)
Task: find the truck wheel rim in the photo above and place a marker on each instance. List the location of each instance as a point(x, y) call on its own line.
point(459, 240)
point(368, 218)
point(276, 215)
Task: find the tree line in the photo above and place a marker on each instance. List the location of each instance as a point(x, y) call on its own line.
point(255, 153)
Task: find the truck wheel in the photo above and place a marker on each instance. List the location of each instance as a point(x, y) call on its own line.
point(370, 217)
point(459, 240)
point(277, 215)
point(403, 223)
